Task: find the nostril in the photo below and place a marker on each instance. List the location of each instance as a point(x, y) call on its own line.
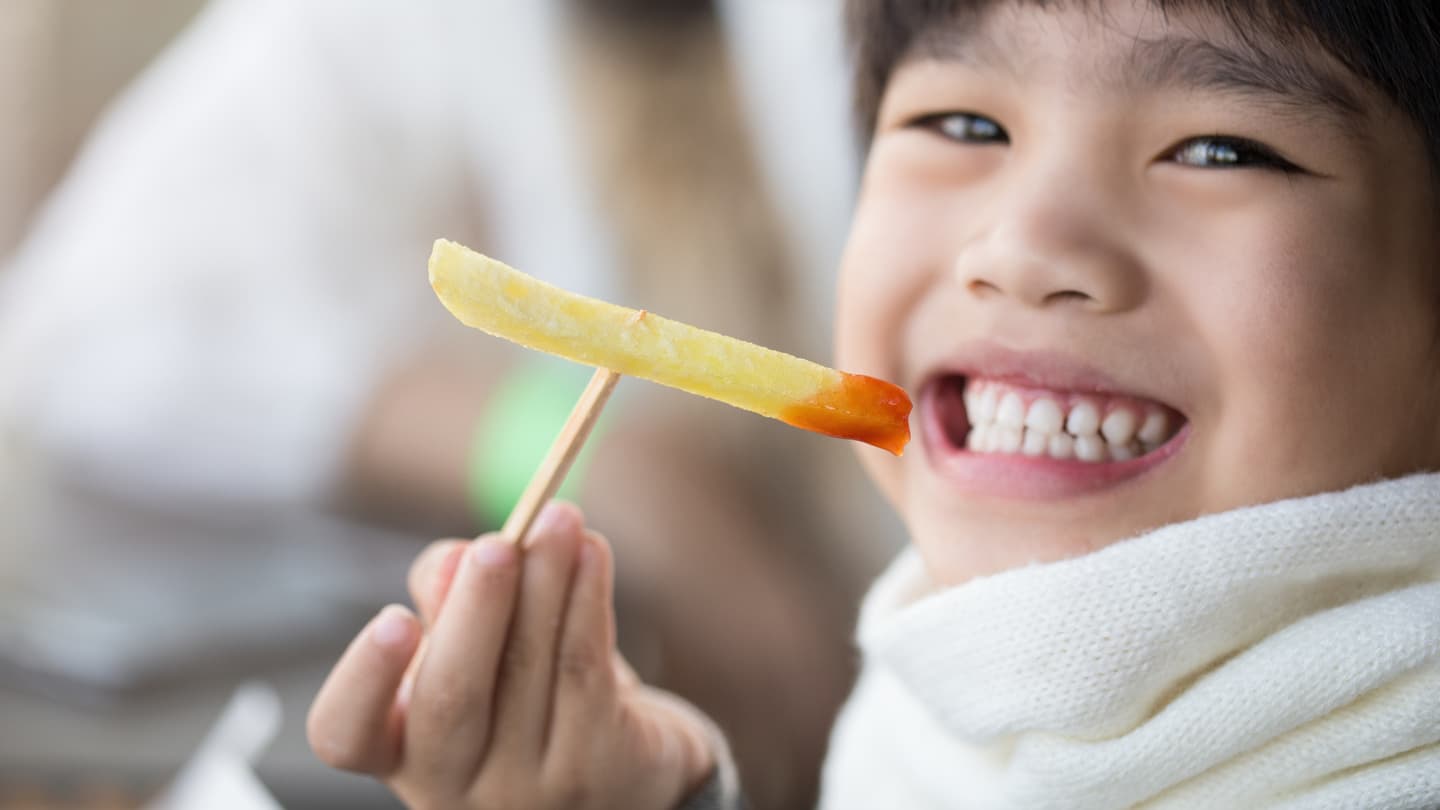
point(979, 287)
point(1068, 296)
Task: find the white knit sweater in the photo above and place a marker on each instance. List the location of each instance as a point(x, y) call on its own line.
point(1286, 655)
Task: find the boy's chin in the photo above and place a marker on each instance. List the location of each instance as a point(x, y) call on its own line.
point(977, 549)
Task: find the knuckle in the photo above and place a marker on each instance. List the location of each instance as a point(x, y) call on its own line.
point(581, 666)
point(443, 705)
point(580, 780)
point(498, 794)
point(496, 579)
point(520, 657)
point(330, 745)
point(340, 753)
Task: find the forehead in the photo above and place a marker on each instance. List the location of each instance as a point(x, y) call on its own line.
point(1137, 45)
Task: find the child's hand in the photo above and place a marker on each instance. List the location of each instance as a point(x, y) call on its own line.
point(519, 698)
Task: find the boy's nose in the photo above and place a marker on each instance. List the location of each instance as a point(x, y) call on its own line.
point(1057, 249)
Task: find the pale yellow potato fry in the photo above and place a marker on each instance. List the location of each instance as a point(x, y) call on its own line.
point(493, 297)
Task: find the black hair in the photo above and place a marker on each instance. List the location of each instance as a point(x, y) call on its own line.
point(1393, 45)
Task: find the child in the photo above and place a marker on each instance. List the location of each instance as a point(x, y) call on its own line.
point(1164, 280)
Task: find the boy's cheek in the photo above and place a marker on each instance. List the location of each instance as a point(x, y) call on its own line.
point(1322, 417)
point(870, 329)
point(886, 268)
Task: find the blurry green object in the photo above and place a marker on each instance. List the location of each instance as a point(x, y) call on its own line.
point(523, 417)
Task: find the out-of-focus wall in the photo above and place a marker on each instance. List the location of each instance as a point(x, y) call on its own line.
point(61, 62)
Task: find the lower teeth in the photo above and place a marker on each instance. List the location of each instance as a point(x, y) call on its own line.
point(1001, 440)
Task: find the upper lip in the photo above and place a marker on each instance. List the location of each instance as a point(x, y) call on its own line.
point(1044, 369)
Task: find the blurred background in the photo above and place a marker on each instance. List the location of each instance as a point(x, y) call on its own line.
point(231, 411)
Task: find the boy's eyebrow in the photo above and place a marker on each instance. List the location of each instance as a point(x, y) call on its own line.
point(1196, 64)
point(1191, 64)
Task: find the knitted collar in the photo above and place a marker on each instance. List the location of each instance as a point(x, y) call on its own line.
point(1282, 651)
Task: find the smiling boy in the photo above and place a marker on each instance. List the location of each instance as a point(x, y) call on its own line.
point(1165, 279)
point(1140, 212)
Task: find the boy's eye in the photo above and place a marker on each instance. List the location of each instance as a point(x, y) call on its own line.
point(1225, 152)
point(965, 127)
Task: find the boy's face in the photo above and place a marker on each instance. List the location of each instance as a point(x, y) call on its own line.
point(1207, 272)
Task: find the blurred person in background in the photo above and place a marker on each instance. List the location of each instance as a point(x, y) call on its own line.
point(222, 316)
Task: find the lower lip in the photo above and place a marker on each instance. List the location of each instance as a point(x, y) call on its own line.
point(1013, 475)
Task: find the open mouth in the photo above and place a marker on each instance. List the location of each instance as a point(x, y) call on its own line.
point(993, 417)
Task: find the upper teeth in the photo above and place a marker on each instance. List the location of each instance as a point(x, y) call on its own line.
point(1088, 428)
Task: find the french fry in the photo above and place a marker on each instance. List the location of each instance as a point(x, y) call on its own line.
point(491, 296)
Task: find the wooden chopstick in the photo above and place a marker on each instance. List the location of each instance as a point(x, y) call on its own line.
point(551, 472)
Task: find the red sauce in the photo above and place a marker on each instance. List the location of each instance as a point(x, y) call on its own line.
point(861, 408)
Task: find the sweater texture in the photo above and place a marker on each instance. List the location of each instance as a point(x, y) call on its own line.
point(1284, 655)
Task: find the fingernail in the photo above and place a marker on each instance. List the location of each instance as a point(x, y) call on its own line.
point(392, 627)
point(555, 518)
point(491, 551)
